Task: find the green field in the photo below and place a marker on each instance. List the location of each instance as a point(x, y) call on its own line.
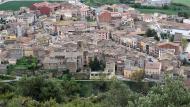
point(172, 9)
point(157, 11)
point(184, 2)
point(15, 5)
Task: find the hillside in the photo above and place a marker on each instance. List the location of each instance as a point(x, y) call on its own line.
point(184, 2)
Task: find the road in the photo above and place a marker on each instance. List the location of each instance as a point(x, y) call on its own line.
point(6, 81)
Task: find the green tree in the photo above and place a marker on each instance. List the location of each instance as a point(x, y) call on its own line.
point(151, 33)
point(171, 38)
point(96, 65)
point(165, 35)
point(184, 43)
point(10, 69)
point(50, 103)
point(138, 75)
point(40, 89)
point(82, 103)
point(156, 38)
point(183, 14)
point(100, 2)
point(170, 94)
point(2, 21)
point(119, 95)
point(70, 89)
point(22, 102)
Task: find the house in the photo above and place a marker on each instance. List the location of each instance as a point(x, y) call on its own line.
point(71, 64)
point(29, 18)
point(120, 7)
point(105, 16)
point(66, 13)
point(116, 15)
point(12, 61)
point(10, 38)
point(103, 34)
point(168, 65)
point(28, 51)
point(54, 63)
point(132, 40)
point(84, 11)
point(15, 51)
point(171, 47)
point(42, 39)
point(128, 72)
point(185, 72)
point(3, 68)
point(147, 18)
point(120, 67)
point(117, 35)
point(45, 7)
point(71, 60)
point(153, 69)
point(147, 45)
point(177, 38)
point(80, 26)
point(19, 31)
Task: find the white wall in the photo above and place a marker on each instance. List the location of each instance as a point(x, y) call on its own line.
point(187, 21)
point(174, 31)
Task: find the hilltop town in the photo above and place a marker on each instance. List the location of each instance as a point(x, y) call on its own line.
point(109, 41)
point(95, 53)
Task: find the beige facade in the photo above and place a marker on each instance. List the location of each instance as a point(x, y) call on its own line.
point(153, 68)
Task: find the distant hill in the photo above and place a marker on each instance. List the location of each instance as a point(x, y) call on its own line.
point(184, 2)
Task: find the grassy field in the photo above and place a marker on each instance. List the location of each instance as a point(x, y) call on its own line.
point(15, 5)
point(172, 9)
point(157, 11)
point(184, 2)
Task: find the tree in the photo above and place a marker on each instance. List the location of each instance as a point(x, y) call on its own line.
point(170, 94)
point(22, 102)
point(171, 38)
point(151, 33)
point(82, 103)
point(10, 68)
point(156, 38)
point(89, 19)
point(100, 2)
point(184, 61)
point(183, 14)
point(50, 103)
point(2, 21)
point(96, 65)
point(62, 17)
point(40, 89)
point(165, 35)
point(138, 75)
point(70, 89)
point(119, 95)
point(184, 43)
